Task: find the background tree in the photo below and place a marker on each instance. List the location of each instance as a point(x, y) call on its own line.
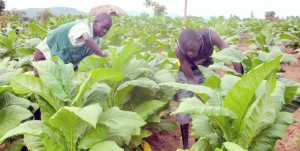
point(159, 10)
point(16, 15)
point(270, 16)
point(2, 5)
point(44, 15)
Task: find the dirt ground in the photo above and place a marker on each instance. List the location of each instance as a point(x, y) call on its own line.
point(171, 140)
point(288, 143)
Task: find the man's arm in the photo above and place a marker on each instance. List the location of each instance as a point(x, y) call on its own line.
point(221, 44)
point(92, 45)
point(185, 67)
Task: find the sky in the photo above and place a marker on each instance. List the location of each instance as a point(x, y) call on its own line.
point(241, 8)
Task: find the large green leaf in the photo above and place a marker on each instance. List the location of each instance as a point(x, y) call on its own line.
point(125, 55)
point(38, 30)
point(7, 73)
point(6, 42)
point(233, 147)
point(8, 99)
point(24, 62)
point(12, 116)
point(147, 108)
point(137, 68)
point(260, 115)
point(115, 118)
point(12, 36)
point(30, 127)
point(5, 88)
point(286, 36)
point(34, 143)
point(266, 139)
point(260, 40)
point(106, 146)
point(4, 70)
point(200, 90)
point(54, 141)
point(137, 140)
point(123, 136)
point(16, 145)
point(291, 88)
point(93, 136)
point(213, 82)
point(239, 99)
point(168, 124)
point(207, 72)
point(288, 58)
point(228, 55)
point(33, 42)
point(78, 120)
point(201, 145)
point(26, 50)
point(47, 111)
point(122, 124)
point(125, 87)
point(91, 62)
point(222, 67)
point(278, 95)
point(202, 127)
point(49, 140)
point(192, 107)
point(95, 76)
point(97, 94)
point(268, 32)
point(57, 77)
point(162, 76)
point(24, 84)
point(227, 82)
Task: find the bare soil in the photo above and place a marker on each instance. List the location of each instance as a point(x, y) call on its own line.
point(290, 142)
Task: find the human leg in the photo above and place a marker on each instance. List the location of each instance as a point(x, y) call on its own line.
point(184, 119)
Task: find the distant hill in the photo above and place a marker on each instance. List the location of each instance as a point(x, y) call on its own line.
point(32, 12)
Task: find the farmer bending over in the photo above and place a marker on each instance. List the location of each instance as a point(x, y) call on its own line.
point(195, 48)
point(73, 41)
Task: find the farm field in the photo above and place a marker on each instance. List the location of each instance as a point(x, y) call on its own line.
point(126, 101)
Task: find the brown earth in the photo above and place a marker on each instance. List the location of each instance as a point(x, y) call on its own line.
point(290, 142)
point(171, 140)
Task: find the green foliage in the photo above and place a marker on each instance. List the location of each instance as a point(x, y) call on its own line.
point(44, 15)
point(247, 115)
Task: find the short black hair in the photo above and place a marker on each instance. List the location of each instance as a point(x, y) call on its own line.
point(101, 17)
point(187, 35)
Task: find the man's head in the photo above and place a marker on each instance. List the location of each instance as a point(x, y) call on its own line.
point(189, 42)
point(101, 24)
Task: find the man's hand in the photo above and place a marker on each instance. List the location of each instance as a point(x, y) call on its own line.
point(92, 45)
